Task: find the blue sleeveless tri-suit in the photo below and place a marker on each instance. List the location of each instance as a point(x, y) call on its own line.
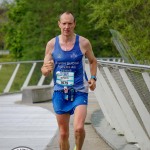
point(69, 72)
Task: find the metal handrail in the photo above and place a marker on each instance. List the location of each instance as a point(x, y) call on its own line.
point(101, 61)
point(125, 65)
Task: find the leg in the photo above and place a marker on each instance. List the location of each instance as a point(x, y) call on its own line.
point(79, 119)
point(63, 123)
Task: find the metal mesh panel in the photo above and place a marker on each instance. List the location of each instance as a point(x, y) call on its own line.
point(134, 73)
point(139, 84)
point(104, 75)
point(115, 73)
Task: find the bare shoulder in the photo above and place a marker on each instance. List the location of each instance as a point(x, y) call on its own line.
point(50, 45)
point(84, 41)
point(49, 50)
point(85, 44)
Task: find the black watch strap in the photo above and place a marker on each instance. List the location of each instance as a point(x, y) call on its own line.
point(94, 77)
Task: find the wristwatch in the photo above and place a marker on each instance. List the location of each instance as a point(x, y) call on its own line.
point(94, 77)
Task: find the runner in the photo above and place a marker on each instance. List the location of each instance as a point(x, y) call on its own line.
point(64, 57)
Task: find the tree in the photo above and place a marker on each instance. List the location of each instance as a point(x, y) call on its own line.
point(131, 18)
point(32, 23)
point(3, 19)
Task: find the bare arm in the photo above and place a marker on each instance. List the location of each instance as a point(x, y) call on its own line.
point(87, 50)
point(48, 60)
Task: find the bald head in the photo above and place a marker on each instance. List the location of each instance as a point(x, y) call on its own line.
point(68, 14)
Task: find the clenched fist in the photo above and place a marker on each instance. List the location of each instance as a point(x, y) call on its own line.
point(92, 84)
point(47, 68)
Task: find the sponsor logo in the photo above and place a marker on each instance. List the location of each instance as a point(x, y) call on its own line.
point(22, 148)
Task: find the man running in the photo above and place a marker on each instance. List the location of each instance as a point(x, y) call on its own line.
point(64, 56)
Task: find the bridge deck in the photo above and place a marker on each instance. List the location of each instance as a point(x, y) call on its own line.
point(22, 125)
point(35, 126)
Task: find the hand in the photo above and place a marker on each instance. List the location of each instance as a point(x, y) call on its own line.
point(92, 84)
point(47, 68)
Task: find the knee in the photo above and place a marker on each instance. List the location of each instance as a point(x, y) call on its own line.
point(79, 130)
point(64, 135)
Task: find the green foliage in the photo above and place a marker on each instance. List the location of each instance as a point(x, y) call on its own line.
point(2, 20)
point(131, 18)
point(32, 23)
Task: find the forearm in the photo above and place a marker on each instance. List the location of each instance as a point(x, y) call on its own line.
point(93, 67)
point(48, 63)
point(47, 67)
point(47, 58)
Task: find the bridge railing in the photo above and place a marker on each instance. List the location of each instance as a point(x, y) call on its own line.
point(14, 76)
point(123, 92)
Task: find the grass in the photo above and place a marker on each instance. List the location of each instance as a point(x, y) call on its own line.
point(6, 58)
point(5, 74)
point(20, 77)
point(7, 70)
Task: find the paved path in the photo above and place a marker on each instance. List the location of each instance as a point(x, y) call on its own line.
point(92, 141)
point(34, 126)
point(22, 125)
point(97, 131)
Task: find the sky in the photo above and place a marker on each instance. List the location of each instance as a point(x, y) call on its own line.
point(5, 0)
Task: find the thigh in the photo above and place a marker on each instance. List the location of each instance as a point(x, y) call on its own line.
point(80, 115)
point(63, 122)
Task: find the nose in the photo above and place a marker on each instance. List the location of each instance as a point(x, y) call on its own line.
point(67, 25)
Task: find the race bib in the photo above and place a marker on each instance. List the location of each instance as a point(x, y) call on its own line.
point(65, 78)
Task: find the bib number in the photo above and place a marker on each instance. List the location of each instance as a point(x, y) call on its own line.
point(65, 78)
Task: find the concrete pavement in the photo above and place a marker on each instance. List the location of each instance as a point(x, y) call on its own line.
point(22, 125)
point(34, 126)
point(92, 140)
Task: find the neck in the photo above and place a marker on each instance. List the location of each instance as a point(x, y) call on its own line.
point(67, 42)
point(67, 39)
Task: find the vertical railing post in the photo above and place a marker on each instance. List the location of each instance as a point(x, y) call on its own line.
point(29, 76)
point(143, 112)
point(146, 78)
point(136, 127)
point(10, 82)
point(117, 111)
point(100, 100)
point(41, 80)
point(0, 67)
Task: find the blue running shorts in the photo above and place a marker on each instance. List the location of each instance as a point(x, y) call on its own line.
point(63, 106)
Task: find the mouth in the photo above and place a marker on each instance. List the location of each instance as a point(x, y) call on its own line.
point(67, 31)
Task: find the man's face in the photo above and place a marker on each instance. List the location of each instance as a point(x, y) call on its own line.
point(66, 24)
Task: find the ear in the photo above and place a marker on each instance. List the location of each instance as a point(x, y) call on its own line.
point(75, 24)
point(59, 24)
